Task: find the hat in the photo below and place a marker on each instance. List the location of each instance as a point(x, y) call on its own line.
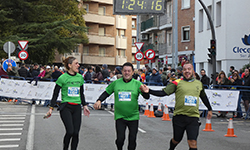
point(47, 67)
point(155, 69)
point(168, 72)
point(179, 68)
point(105, 66)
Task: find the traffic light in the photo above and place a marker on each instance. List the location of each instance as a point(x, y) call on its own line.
point(213, 47)
point(210, 55)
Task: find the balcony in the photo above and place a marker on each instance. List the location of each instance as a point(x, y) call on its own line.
point(121, 22)
point(121, 42)
point(134, 32)
point(92, 59)
point(150, 25)
point(100, 19)
point(120, 60)
point(76, 55)
point(101, 40)
point(103, 1)
point(164, 49)
point(134, 50)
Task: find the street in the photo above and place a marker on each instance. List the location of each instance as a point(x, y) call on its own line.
point(19, 132)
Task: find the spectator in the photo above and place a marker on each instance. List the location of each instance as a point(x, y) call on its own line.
point(118, 70)
point(81, 70)
point(105, 72)
point(87, 77)
point(45, 74)
point(155, 78)
point(136, 76)
point(160, 72)
point(179, 72)
point(240, 72)
point(222, 80)
point(230, 71)
point(48, 73)
point(142, 75)
point(56, 74)
point(236, 80)
point(148, 74)
point(12, 71)
point(164, 76)
point(204, 79)
point(23, 72)
point(2, 72)
point(169, 68)
point(28, 73)
point(183, 60)
point(246, 94)
point(112, 76)
point(98, 76)
point(36, 70)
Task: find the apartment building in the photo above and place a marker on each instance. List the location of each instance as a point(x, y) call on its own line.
point(157, 33)
point(231, 31)
point(110, 36)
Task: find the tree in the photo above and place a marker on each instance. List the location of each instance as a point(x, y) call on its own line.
point(47, 25)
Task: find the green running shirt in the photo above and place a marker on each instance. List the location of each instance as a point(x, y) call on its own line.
point(126, 98)
point(186, 96)
point(70, 87)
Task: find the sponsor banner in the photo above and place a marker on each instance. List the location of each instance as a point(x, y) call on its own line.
point(220, 100)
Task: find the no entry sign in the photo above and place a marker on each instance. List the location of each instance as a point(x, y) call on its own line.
point(150, 54)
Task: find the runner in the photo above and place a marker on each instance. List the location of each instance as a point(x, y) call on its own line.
point(126, 92)
point(71, 85)
point(186, 114)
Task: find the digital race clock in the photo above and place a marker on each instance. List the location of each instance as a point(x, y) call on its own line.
point(129, 7)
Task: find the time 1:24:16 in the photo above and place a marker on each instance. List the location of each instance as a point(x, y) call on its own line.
point(157, 5)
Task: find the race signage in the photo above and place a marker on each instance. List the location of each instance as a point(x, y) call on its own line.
point(150, 54)
point(139, 56)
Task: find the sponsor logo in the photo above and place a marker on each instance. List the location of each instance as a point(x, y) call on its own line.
point(246, 40)
point(230, 95)
point(229, 104)
point(215, 94)
point(214, 103)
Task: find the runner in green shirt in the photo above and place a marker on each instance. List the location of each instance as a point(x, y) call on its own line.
point(186, 114)
point(126, 91)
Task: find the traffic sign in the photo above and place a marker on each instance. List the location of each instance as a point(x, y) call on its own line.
point(23, 44)
point(139, 56)
point(6, 62)
point(139, 45)
point(9, 47)
point(23, 55)
point(150, 54)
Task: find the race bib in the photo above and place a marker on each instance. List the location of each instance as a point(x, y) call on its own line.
point(190, 101)
point(124, 96)
point(73, 91)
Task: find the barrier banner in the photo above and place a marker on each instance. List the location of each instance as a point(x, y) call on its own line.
point(220, 100)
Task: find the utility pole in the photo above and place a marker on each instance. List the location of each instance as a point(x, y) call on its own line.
point(175, 37)
point(212, 48)
point(137, 36)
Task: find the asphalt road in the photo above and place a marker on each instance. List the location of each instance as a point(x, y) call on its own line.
point(98, 131)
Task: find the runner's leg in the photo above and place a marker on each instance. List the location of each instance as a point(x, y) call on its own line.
point(77, 116)
point(133, 130)
point(120, 126)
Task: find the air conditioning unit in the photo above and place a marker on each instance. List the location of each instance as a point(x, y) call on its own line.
point(144, 37)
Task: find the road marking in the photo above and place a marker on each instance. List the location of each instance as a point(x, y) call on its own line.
point(14, 118)
point(30, 138)
point(17, 121)
point(10, 125)
point(10, 133)
point(8, 146)
point(10, 139)
point(5, 129)
point(142, 131)
point(12, 115)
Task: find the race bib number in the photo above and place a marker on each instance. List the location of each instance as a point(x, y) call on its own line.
point(73, 91)
point(190, 101)
point(124, 96)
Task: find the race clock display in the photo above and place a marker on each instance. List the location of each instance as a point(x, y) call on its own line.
point(129, 7)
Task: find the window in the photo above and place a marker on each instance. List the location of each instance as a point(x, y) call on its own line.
point(122, 32)
point(133, 41)
point(186, 33)
point(169, 39)
point(85, 50)
point(102, 51)
point(218, 14)
point(133, 23)
point(76, 50)
point(170, 10)
point(133, 58)
point(102, 31)
point(210, 11)
point(185, 4)
point(201, 20)
point(86, 7)
point(102, 11)
point(122, 53)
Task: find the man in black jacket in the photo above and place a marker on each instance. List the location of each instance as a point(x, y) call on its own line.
point(204, 79)
point(23, 72)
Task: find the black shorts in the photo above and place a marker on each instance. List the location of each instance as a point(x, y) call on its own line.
point(182, 123)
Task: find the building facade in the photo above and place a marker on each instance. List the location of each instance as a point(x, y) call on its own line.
point(110, 36)
point(231, 30)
